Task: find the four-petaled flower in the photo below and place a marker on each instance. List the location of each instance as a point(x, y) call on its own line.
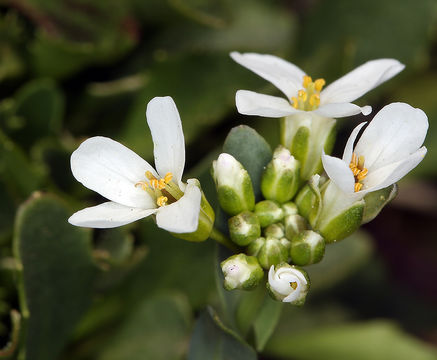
point(304, 94)
point(132, 185)
point(388, 149)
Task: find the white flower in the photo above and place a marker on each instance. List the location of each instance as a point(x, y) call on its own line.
point(388, 149)
point(288, 283)
point(302, 94)
point(132, 185)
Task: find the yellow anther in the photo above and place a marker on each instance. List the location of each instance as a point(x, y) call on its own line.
point(149, 175)
point(162, 200)
point(358, 186)
point(354, 159)
point(295, 103)
point(306, 81)
point(142, 184)
point(293, 284)
point(154, 183)
point(168, 177)
point(161, 184)
point(356, 171)
point(319, 84)
point(302, 95)
point(315, 100)
point(362, 174)
point(361, 162)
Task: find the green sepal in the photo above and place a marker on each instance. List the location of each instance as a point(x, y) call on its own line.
point(309, 200)
point(375, 202)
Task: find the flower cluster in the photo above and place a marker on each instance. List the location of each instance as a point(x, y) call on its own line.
point(309, 198)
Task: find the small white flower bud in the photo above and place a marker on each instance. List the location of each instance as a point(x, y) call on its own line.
point(274, 230)
point(294, 224)
point(268, 212)
point(307, 248)
point(290, 208)
point(273, 252)
point(234, 186)
point(244, 228)
point(288, 283)
point(241, 272)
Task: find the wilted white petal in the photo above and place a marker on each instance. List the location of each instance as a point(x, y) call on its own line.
point(391, 173)
point(394, 133)
point(337, 110)
point(108, 215)
point(168, 137)
point(183, 215)
point(112, 170)
point(339, 172)
point(285, 76)
point(360, 80)
point(348, 150)
point(252, 103)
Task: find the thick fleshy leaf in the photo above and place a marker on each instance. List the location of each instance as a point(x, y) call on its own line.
point(389, 174)
point(285, 76)
point(395, 132)
point(183, 215)
point(112, 170)
point(168, 137)
point(108, 215)
point(252, 103)
point(337, 110)
point(339, 172)
point(349, 148)
point(360, 80)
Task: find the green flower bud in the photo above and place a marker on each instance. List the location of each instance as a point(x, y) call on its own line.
point(341, 214)
point(294, 224)
point(234, 187)
point(241, 272)
point(286, 243)
point(290, 208)
point(206, 222)
point(288, 283)
point(307, 248)
point(307, 135)
point(274, 230)
point(244, 228)
point(280, 179)
point(375, 201)
point(268, 212)
point(309, 199)
point(272, 253)
point(255, 246)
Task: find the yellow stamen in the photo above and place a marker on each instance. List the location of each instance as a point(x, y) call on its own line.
point(168, 177)
point(358, 186)
point(154, 183)
point(359, 171)
point(306, 81)
point(293, 284)
point(142, 184)
point(302, 95)
point(319, 84)
point(315, 100)
point(161, 184)
point(295, 103)
point(361, 162)
point(362, 174)
point(354, 159)
point(149, 175)
point(162, 200)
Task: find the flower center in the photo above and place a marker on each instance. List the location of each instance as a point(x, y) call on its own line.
point(293, 285)
point(163, 190)
point(359, 171)
point(309, 97)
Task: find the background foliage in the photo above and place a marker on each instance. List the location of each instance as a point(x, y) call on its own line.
point(72, 69)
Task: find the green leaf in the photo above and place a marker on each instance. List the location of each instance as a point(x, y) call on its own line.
point(266, 321)
point(212, 340)
point(249, 148)
point(158, 328)
point(56, 281)
point(376, 339)
point(375, 202)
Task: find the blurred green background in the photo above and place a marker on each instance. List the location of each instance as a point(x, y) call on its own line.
point(72, 69)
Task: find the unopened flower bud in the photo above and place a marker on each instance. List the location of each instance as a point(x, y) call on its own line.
point(272, 253)
point(286, 243)
point(309, 199)
point(244, 228)
point(255, 246)
point(268, 212)
point(375, 202)
point(280, 179)
point(241, 272)
point(290, 208)
point(274, 230)
point(288, 283)
point(307, 248)
point(294, 224)
point(234, 187)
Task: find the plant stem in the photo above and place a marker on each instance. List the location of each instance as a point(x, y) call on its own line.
point(222, 239)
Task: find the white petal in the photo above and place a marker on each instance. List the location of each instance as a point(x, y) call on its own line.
point(252, 103)
point(336, 110)
point(168, 137)
point(392, 173)
point(286, 76)
point(112, 170)
point(339, 172)
point(348, 150)
point(395, 132)
point(183, 215)
point(108, 215)
point(360, 80)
